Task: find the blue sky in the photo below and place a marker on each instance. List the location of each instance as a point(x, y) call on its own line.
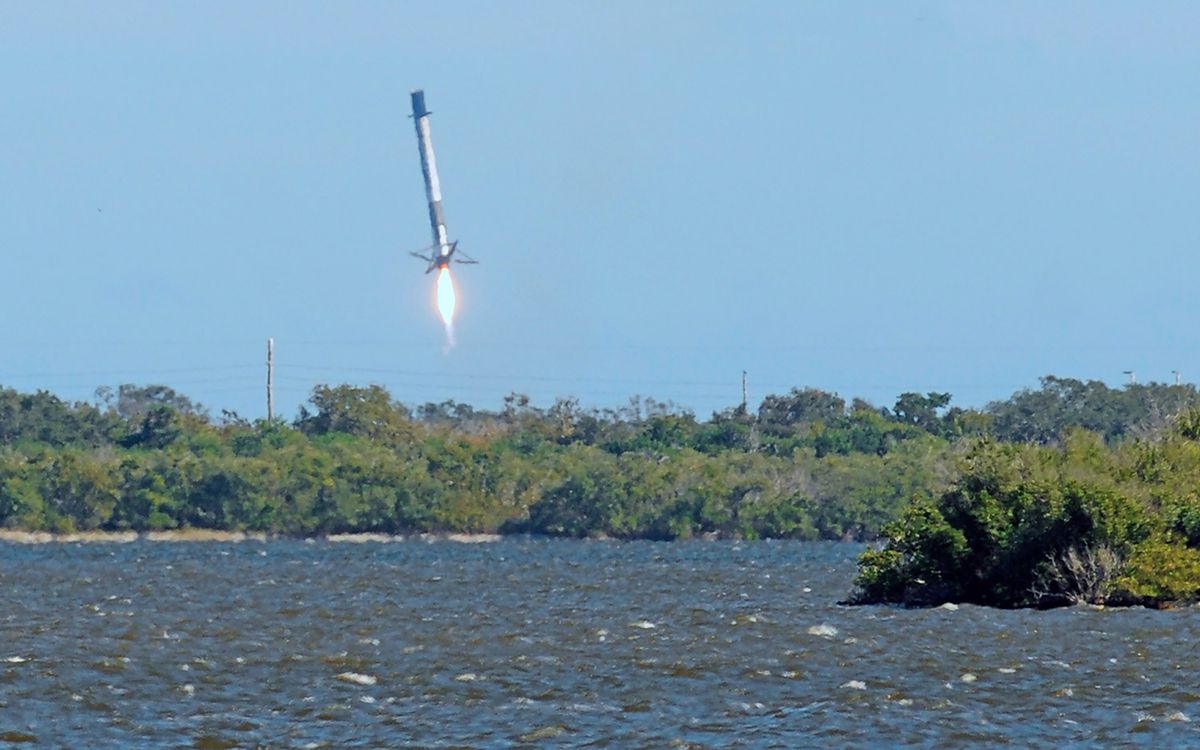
point(863, 197)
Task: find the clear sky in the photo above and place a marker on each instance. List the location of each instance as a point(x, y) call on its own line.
point(867, 198)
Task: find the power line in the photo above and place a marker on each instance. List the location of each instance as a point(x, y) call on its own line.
point(118, 373)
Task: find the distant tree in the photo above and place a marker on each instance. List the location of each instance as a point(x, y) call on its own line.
point(730, 429)
point(156, 427)
point(79, 489)
point(516, 406)
point(132, 401)
point(800, 407)
point(46, 418)
point(1044, 415)
point(369, 412)
point(966, 423)
point(921, 410)
point(230, 418)
point(447, 412)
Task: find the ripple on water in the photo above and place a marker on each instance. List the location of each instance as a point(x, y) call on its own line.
point(428, 642)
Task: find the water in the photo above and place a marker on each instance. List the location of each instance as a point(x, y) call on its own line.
point(531, 642)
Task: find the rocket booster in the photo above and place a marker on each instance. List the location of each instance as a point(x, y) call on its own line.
point(441, 248)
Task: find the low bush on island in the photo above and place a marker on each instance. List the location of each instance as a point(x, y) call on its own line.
point(1025, 525)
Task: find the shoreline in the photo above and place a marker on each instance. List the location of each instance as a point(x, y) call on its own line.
point(12, 536)
point(19, 536)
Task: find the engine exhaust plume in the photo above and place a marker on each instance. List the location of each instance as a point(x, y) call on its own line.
point(446, 302)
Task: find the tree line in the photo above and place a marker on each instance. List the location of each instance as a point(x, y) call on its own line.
point(805, 464)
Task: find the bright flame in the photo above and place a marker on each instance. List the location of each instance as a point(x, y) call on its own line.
point(446, 302)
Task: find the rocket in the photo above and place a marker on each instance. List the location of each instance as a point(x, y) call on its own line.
point(439, 254)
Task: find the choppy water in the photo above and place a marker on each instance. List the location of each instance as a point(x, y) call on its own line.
point(533, 642)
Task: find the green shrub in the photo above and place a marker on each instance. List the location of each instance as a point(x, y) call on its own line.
point(1161, 570)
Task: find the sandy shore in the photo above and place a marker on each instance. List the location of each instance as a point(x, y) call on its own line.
point(384, 538)
point(211, 535)
point(45, 537)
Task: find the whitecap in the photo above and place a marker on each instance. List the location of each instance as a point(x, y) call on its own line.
point(1179, 716)
point(823, 630)
point(949, 607)
point(855, 685)
point(968, 677)
point(467, 677)
point(643, 625)
point(16, 659)
point(356, 678)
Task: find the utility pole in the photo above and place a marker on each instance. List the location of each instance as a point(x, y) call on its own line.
point(270, 379)
point(1178, 376)
point(745, 393)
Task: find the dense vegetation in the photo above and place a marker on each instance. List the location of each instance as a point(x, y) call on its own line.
point(805, 464)
point(1080, 521)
